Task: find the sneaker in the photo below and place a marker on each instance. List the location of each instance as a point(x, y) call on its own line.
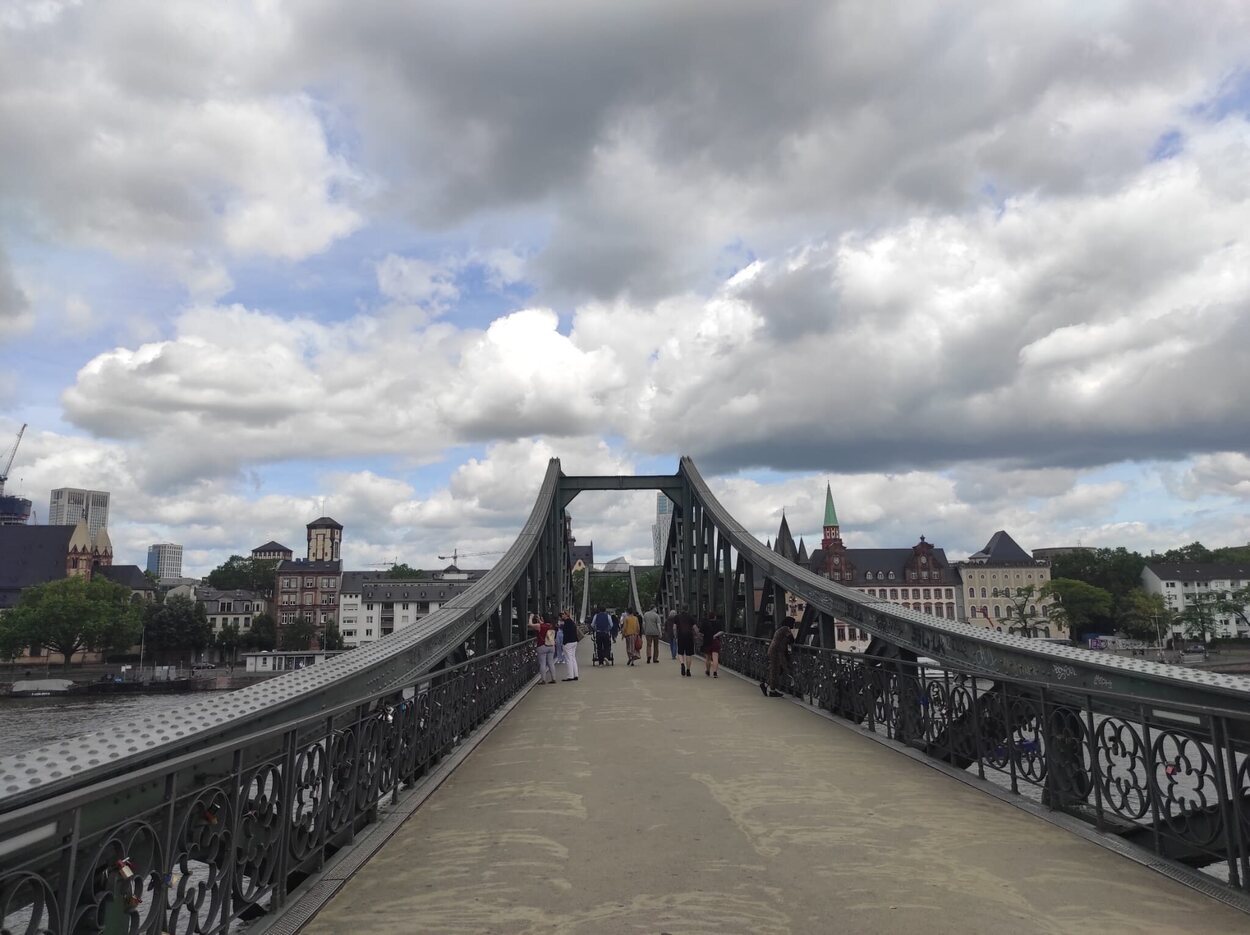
point(707, 674)
point(683, 668)
point(715, 675)
point(775, 695)
point(764, 689)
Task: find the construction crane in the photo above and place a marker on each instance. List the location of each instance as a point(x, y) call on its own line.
point(456, 555)
point(8, 459)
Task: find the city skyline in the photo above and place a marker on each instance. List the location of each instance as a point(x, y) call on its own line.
point(250, 275)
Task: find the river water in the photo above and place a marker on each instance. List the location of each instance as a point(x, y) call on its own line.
point(26, 723)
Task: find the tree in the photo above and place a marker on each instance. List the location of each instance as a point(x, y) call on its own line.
point(298, 635)
point(1199, 615)
point(1194, 552)
point(1023, 613)
point(1235, 604)
point(404, 571)
point(244, 574)
point(333, 638)
point(228, 641)
point(70, 615)
point(1143, 616)
point(1078, 604)
point(648, 584)
point(176, 626)
point(264, 634)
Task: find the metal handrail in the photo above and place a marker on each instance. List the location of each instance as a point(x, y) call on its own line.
point(42, 772)
point(974, 648)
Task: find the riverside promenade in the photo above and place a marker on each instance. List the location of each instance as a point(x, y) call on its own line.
point(636, 801)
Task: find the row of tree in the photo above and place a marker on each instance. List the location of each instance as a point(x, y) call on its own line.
point(73, 615)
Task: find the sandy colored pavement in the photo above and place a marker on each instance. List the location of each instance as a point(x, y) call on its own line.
point(635, 801)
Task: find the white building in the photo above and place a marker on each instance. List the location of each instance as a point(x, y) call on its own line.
point(373, 605)
point(70, 504)
point(1184, 584)
point(165, 560)
point(287, 661)
point(992, 587)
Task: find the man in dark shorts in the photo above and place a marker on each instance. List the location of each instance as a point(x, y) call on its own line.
point(683, 625)
point(778, 658)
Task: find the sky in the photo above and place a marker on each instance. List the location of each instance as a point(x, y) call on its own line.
point(976, 266)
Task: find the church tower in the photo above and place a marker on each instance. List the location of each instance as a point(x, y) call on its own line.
point(833, 534)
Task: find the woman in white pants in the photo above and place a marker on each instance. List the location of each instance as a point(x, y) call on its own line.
point(569, 627)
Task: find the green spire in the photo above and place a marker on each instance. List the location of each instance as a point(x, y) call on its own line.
point(831, 515)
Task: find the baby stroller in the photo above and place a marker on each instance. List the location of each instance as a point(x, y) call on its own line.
point(603, 650)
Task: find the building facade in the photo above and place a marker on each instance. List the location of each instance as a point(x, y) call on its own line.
point(1000, 589)
point(661, 527)
point(919, 577)
point(374, 605)
point(68, 505)
point(1201, 586)
point(235, 608)
point(310, 587)
point(165, 560)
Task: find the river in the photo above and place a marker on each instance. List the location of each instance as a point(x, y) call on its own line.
point(26, 723)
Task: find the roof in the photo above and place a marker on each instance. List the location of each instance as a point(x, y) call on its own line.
point(325, 521)
point(271, 546)
point(31, 555)
point(394, 589)
point(583, 553)
point(354, 580)
point(1200, 571)
point(831, 515)
point(878, 560)
point(784, 545)
point(131, 576)
point(1001, 550)
point(803, 556)
point(233, 594)
point(303, 566)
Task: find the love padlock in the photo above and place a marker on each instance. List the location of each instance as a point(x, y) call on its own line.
point(126, 868)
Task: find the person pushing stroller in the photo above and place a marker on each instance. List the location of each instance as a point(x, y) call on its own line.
point(601, 626)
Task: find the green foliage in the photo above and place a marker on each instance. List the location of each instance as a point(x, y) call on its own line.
point(1199, 615)
point(228, 641)
point(244, 574)
point(1023, 619)
point(648, 585)
point(263, 635)
point(1079, 605)
point(1194, 552)
point(297, 635)
point(333, 639)
point(404, 571)
point(1143, 616)
point(70, 615)
point(610, 590)
point(177, 625)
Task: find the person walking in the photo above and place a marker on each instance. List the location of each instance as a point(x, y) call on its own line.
point(545, 637)
point(631, 630)
point(568, 627)
point(711, 646)
point(685, 626)
point(651, 627)
point(778, 658)
point(671, 633)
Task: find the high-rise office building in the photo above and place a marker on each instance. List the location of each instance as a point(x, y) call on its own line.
point(165, 560)
point(659, 531)
point(70, 504)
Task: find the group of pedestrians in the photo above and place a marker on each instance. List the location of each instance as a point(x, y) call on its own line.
point(557, 645)
point(685, 633)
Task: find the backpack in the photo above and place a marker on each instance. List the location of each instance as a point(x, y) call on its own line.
point(549, 639)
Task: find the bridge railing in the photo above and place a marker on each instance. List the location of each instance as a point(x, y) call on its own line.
point(1173, 778)
point(202, 840)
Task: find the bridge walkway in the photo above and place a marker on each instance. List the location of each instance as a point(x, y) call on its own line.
point(636, 801)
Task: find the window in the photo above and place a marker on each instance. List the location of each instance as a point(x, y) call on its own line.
point(950, 611)
point(912, 575)
point(994, 592)
point(310, 582)
point(894, 594)
point(405, 607)
point(290, 583)
point(328, 582)
point(369, 619)
point(1032, 610)
point(925, 574)
point(368, 607)
point(983, 592)
point(937, 610)
point(998, 611)
point(1009, 609)
point(927, 593)
point(972, 592)
point(368, 633)
point(891, 576)
point(349, 634)
point(308, 597)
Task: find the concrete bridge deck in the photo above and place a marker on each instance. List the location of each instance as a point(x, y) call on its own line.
point(635, 801)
